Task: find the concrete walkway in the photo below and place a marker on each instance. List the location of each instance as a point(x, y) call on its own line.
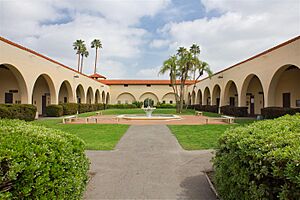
point(148, 163)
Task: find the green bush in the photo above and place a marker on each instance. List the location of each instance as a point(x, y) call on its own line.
point(40, 163)
point(274, 112)
point(138, 104)
point(100, 106)
point(165, 105)
point(25, 112)
point(69, 108)
point(260, 161)
point(121, 106)
point(54, 110)
point(234, 111)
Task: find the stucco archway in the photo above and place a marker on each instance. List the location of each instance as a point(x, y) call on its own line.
point(103, 97)
point(89, 96)
point(149, 95)
point(230, 94)
point(169, 98)
point(65, 93)
point(189, 99)
point(206, 97)
point(125, 98)
point(193, 97)
point(216, 95)
point(284, 89)
point(80, 94)
point(13, 86)
point(199, 97)
point(43, 93)
point(97, 96)
point(107, 98)
point(252, 94)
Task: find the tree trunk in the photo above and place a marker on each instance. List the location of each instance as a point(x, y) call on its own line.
point(96, 61)
point(78, 63)
point(81, 64)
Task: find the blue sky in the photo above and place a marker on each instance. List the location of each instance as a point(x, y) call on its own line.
point(138, 35)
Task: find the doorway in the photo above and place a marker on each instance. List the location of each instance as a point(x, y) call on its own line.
point(286, 100)
point(252, 106)
point(9, 97)
point(44, 104)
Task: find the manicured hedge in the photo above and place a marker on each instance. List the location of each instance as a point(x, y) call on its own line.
point(260, 161)
point(54, 111)
point(234, 111)
point(138, 104)
point(69, 108)
point(274, 112)
point(206, 108)
point(40, 163)
point(165, 105)
point(121, 106)
point(25, 112)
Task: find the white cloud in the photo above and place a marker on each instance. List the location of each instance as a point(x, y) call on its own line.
point(244, 29)
point(51, 26)
point(159, 43)
point(151, 73)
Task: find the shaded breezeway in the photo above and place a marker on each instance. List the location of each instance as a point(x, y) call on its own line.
point(148, 163)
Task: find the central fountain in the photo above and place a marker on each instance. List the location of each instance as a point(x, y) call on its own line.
point(149, 110)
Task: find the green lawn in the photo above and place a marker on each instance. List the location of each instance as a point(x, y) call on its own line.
point(96, 136)
point(196, 137)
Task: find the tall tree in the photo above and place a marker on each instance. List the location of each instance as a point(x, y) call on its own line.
point(84, 53)
point(97, 45)
point(180, 66)
point(78, 46)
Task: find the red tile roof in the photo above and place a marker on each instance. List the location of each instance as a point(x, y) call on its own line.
point(97, 76)
point(141, 82)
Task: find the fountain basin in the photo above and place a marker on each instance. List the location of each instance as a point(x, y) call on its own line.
point(145, 117)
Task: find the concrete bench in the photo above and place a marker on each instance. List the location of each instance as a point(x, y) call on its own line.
point(228, 119)
point(99, 113)
point(69, 118)
point(198, 113)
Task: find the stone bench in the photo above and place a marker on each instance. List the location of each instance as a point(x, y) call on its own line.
point(224, 118)
point(69, 118)
point(198, 113)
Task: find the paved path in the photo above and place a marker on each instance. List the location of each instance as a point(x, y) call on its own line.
point(148, 163)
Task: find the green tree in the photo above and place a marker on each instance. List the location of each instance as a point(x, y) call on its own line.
point(78, 44)
point(97, 45)
point(180, 67)
point(84, 53)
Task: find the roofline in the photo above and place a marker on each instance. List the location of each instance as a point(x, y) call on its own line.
point(256, 56)
point(42, 56)
point(142, 82)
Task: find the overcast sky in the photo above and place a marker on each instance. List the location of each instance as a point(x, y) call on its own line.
point(138, 35)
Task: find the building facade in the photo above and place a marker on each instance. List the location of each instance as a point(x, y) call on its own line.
point(271, 78)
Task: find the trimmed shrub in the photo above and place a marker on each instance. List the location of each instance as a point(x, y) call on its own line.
point(138, 104)
point(274, 112)
point(69, 108)
point(82, 108)
point(165, 105)
point(40, 163)
point(100, 106)
point(234, 111)
point(260, 161)
point(25, 112)
point(54, 110)
point(121, 106)
point(206, 108)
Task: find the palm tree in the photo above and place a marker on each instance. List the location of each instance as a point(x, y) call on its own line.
point(84, 53)
point(96, 44)
point(78, 46)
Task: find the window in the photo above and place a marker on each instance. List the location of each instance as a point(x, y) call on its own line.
point(164, 102)
point(171, 102)
point(125, 85)
point(148, 85)
point(170, 85)
point(119, 102)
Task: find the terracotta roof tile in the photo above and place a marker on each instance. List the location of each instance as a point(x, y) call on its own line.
point(141, 82)
point(97, 76)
